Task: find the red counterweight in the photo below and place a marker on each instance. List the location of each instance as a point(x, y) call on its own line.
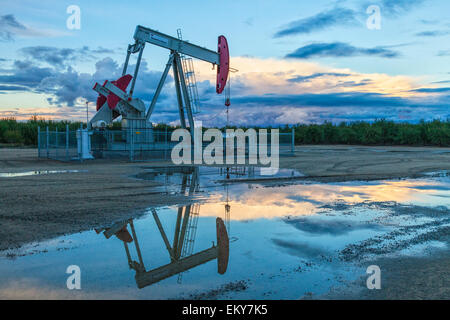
point(122, 83)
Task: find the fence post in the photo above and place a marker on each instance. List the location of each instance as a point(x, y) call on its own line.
point(132, 143)
point(166, 144)
point(56, 143)
point(80, 154)
point(293, 141)
point(130, 137)
point(39, 141)
point(47, 140)
point(67, 141)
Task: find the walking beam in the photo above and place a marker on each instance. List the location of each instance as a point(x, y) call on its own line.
point(143, 34)
point(146, 278)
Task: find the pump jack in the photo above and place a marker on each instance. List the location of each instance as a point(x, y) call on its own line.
point(115, 101)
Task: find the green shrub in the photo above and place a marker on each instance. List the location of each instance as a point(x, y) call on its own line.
point(13, 136)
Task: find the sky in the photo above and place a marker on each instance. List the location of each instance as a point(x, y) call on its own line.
point(296, 61)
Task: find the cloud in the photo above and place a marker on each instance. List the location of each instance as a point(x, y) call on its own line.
point(395, 7)
point(11, 88)
point(70, 85)
point(434, 33)
point(10, 28)
point(339, 49)
point(444, 53)
point(264, 91)
point(432, 90)
point(320, 21)
point(300, 249)
point(429, 21)
point(26, 74)
point(263, 76)
point(442, 81)
point(277, 91)
point(330, 227)
point(62, 56)
point(339, 99)
point(317, 75)
point(67, 86)
point(51, 55)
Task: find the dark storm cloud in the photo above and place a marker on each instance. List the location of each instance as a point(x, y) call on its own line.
point(26, 74)
point(69, 85)
point(66, 85)
point(339, 49)
point(320, 21)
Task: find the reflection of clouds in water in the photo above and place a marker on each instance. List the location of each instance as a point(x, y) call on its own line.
point(300, 249)
point(33, 289)
point(302, 200)
point(332, 227)
point(248, 210)
point(432, 187)
point(399, 191)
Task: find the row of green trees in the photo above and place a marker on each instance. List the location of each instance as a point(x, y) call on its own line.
point(381, 132)
point(25, 133)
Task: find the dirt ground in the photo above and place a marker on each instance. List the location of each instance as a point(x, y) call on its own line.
point(402, 278)
point(39, 207)
point(345, 163)
point(43, 206)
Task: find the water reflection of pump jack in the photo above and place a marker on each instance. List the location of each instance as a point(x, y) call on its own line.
point(180, 252)
point(178, 263)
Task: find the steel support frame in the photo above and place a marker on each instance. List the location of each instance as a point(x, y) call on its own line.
point(184, 90)
point(160, 86)
point(184, 104)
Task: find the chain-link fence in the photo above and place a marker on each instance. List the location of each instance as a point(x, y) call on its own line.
point(139, 144)
point(135, 144)
point(58, 145)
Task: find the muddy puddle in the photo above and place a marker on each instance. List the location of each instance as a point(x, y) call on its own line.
point(240, 241)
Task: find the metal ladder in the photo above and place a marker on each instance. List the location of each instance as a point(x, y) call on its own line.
point(191, 81)
point(191, 231)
